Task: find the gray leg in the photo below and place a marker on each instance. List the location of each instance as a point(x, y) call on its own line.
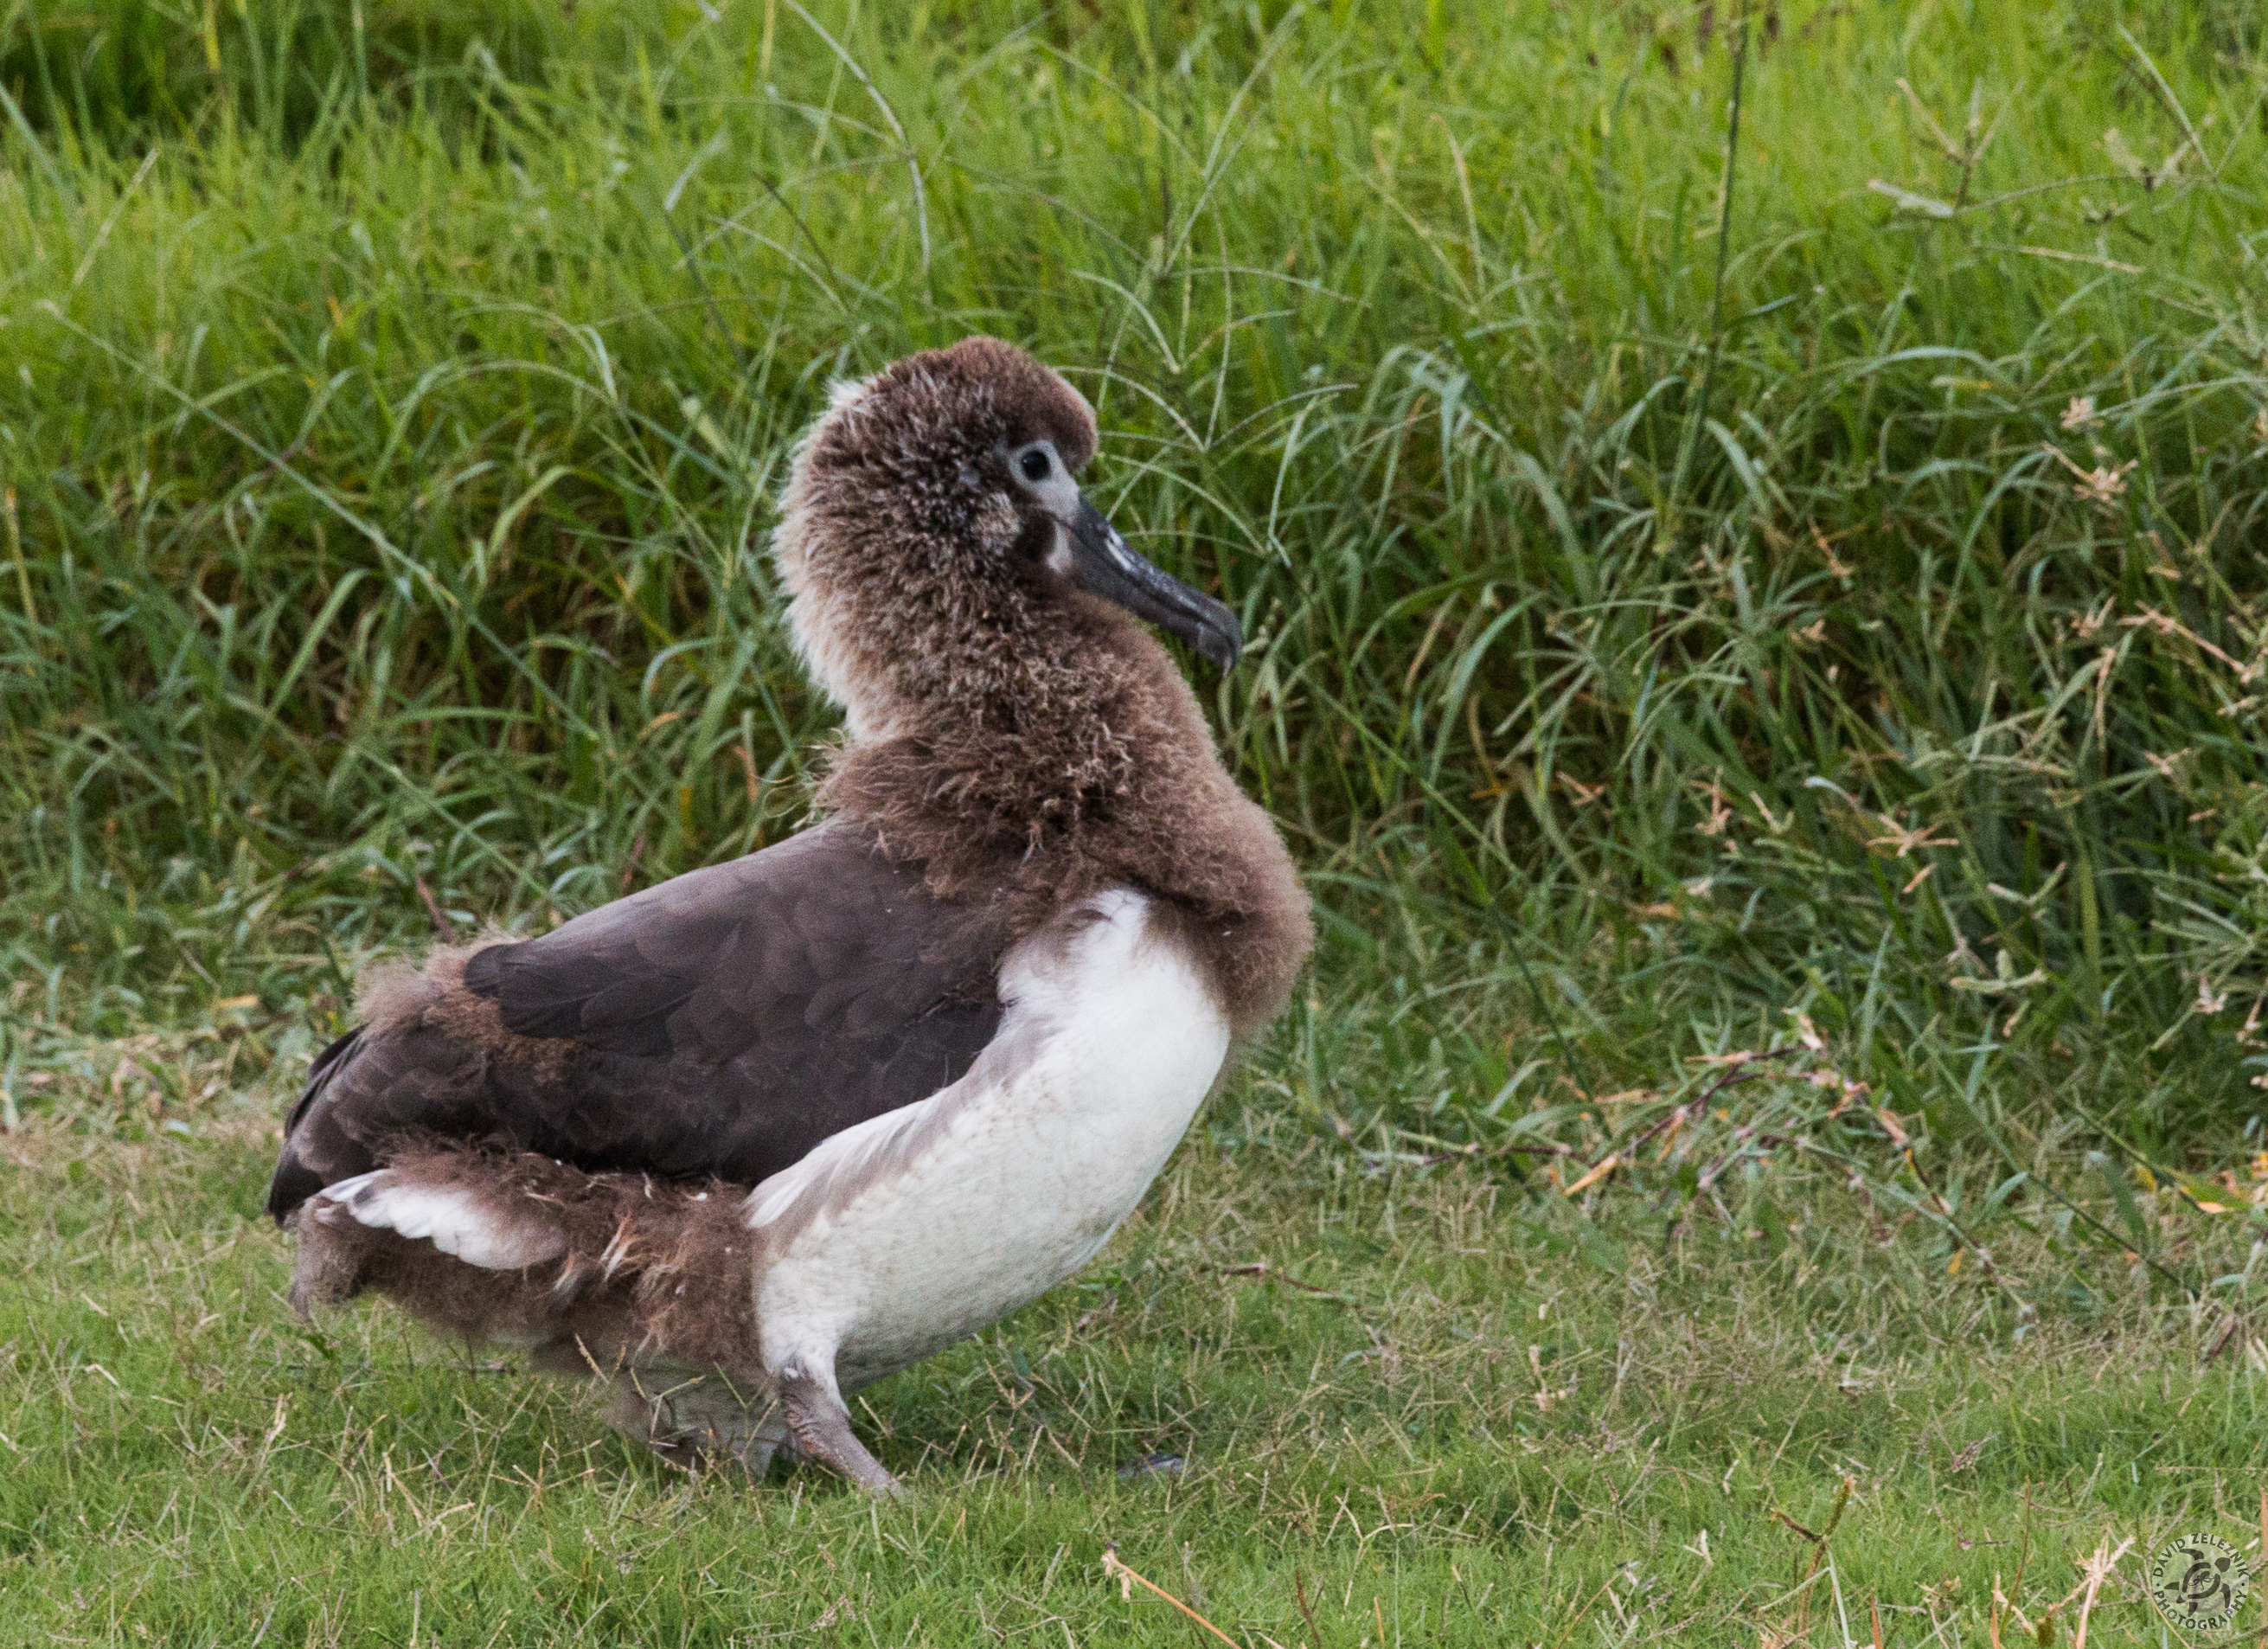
point(820, 1426)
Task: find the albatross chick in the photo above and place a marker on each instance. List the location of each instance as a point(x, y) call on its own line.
point(752, 1139)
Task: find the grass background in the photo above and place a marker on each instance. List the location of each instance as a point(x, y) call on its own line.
point(1795, 597)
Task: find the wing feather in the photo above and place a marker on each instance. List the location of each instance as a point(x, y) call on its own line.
point(721, 1024)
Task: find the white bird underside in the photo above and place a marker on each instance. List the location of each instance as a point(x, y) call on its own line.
point(906, 1234)
point(911, 1231)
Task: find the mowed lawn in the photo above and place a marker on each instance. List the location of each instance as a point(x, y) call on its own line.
point(1758, 646)
point(1403, 1407)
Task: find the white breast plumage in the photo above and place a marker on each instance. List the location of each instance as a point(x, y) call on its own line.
point(907, 1232)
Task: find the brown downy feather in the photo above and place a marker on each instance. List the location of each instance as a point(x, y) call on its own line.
point(1023, 822)
point(432, 989)
point(651, 1270)
point(1022, 741)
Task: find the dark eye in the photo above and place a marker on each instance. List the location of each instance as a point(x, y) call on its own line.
point(1034, 465)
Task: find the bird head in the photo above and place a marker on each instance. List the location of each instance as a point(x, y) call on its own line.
point(934, 534)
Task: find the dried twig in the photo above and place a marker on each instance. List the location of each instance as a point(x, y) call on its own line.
point(1599, 1170)
point(1315, 1636)
point(1262, 1270)
point(1801, 1590)
point(1115, 1566)
point(1778, 1516)
point(442, 926)
point(2098, 1569)
point(2221, 1336)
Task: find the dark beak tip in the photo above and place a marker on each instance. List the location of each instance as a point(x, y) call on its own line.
point(1103, 565)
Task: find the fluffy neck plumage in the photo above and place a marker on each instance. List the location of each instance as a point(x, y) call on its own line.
point(1029, 747)
point(1077, 763)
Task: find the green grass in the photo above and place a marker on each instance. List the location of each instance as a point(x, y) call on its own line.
point(1678, 632)
point(1469, 1416)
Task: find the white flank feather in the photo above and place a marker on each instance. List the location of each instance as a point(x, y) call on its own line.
point(452, 1220)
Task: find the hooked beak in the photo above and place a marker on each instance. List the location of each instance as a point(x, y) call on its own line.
point(1101, 564)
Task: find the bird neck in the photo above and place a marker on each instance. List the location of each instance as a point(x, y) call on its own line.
point(1081, 762)
point(1027, 739)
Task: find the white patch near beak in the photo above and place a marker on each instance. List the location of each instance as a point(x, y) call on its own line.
point(1058, 557)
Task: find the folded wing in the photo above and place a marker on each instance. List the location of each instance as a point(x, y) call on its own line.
point(721, 1024)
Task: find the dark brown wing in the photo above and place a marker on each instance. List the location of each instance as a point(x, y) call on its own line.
point(721, 1024)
